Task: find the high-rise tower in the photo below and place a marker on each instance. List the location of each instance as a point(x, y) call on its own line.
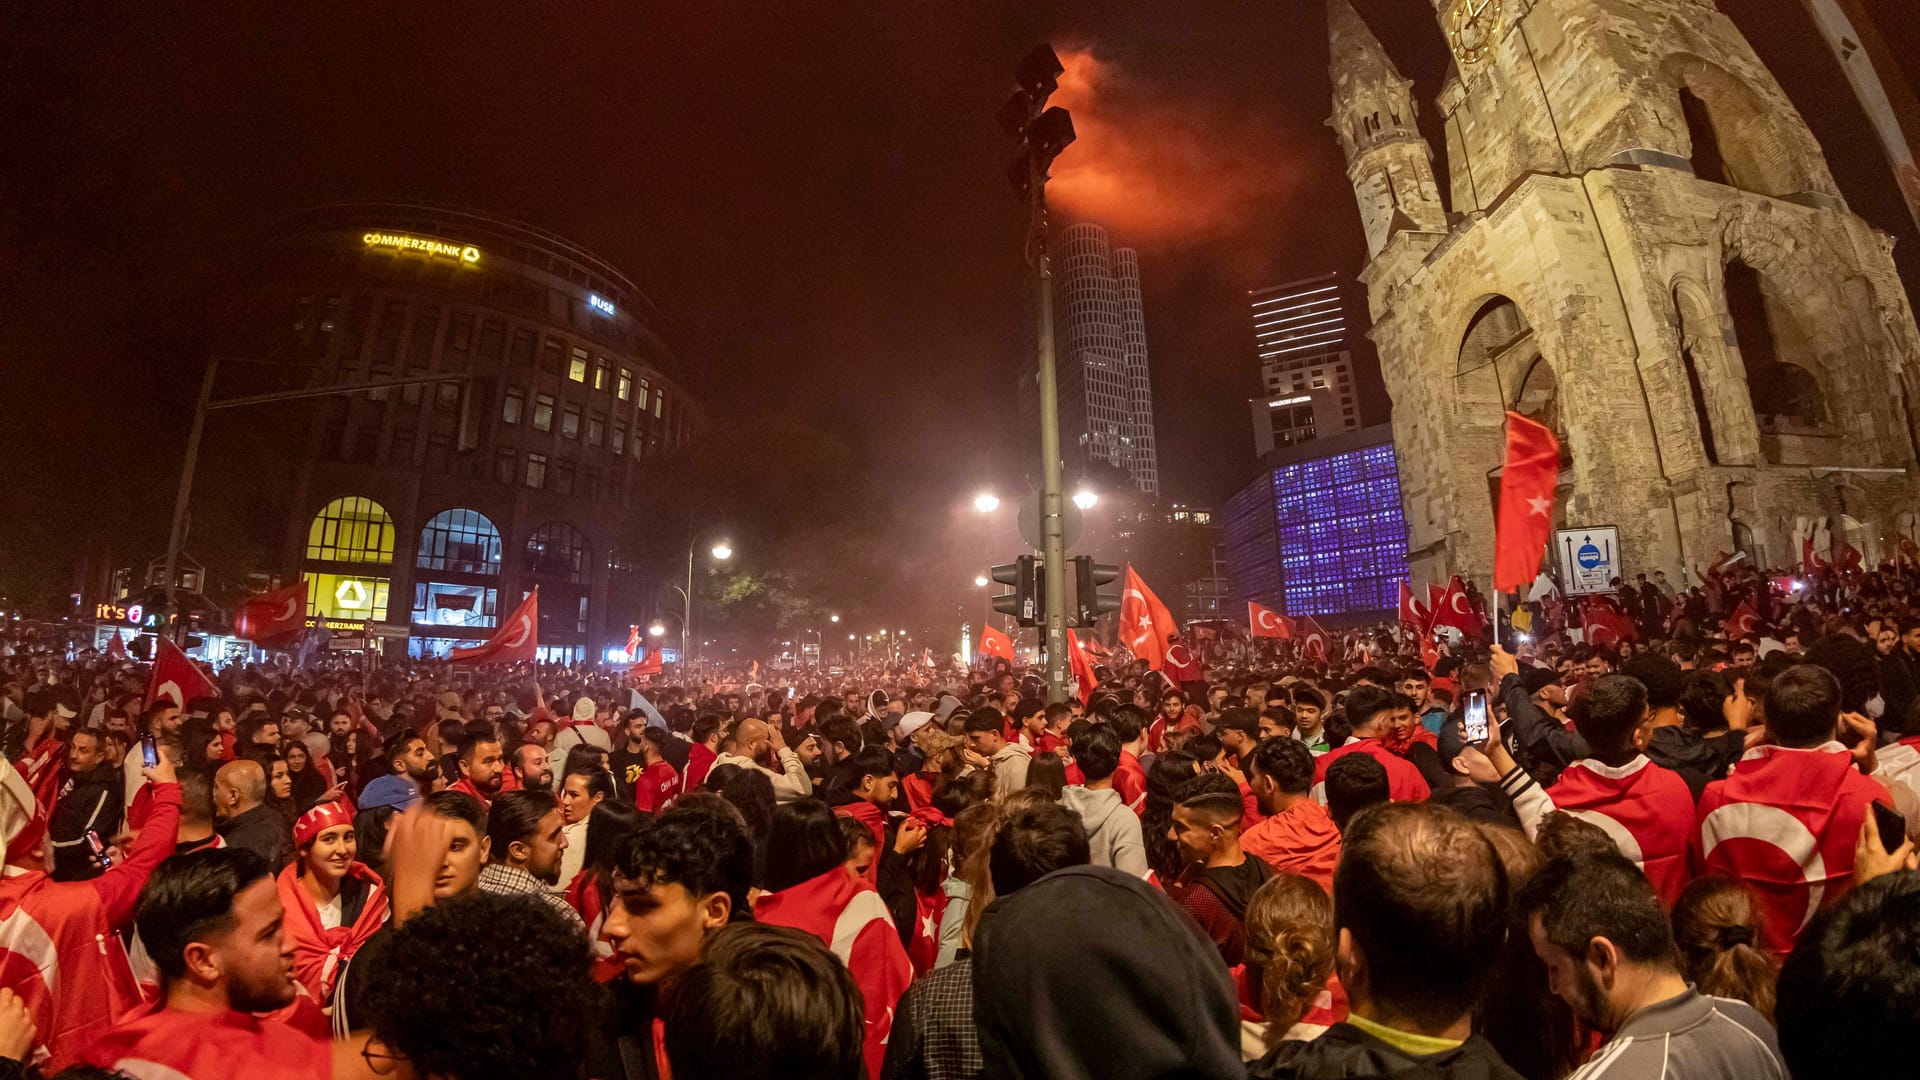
point(1106, 398)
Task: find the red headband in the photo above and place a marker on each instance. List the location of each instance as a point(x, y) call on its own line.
point(318, 820)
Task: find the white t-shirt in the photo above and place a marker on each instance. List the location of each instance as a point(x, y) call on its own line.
point(329, 913)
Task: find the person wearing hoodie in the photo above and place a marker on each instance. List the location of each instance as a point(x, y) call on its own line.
point(1298, 835)
point(1695, 737)
point(1036, 944)
point(1220, 877)
point(988, 748)
point(1113, 831)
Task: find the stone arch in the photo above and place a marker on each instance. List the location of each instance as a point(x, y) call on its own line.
point(1500, 367)
point(462, 540)
point(351, 529)
point(1735, 131)
point(1714, 376)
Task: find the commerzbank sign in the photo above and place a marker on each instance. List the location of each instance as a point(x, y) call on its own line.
point(466, 253)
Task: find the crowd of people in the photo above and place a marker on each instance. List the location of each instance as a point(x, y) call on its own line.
point(1681, 854)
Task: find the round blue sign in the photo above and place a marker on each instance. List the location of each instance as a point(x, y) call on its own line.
point(1588, 556)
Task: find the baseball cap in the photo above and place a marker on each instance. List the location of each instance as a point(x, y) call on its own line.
point(1239, 718)
point(914, 721)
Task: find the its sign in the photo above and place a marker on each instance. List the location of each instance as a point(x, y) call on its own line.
point(131, 614)
point(600, 303)
point(351, 593)
point(466, 253)
point(1589, 559)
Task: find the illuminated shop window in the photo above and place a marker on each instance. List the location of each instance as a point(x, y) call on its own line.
point(460, 540)
point(348, 597)
point(351, 529)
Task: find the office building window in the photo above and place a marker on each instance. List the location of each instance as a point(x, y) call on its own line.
point(536, 470)
point(558, 551)
point(447, 396)
point(461, 540)
point(522, 347)
point(625, 385)
point(619, 445)
point(602, 375)
point(460, 331)
point(351, 529)
point(552, 353)
point(504, 460)
point(493, 338)
point(570, 422)
point(563, 477)
point(512, 403)
point(543, 412)
point(577, 366)
point(596, 430)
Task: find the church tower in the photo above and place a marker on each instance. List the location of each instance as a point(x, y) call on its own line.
point(1646, 252)
point(1388, 161)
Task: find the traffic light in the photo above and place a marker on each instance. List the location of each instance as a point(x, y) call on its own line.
point(1089, 602)
point(1026, 602)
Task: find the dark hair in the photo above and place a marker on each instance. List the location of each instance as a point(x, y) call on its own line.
point(1582, 897)
point(1855, 667)
point(1803, 704)
point(1662, 678)
point(1128, 721)
point(190, 898)
point(610, 824)
point(839, 729)
point(515, 817)
point(719, 776)
point(396, 746)
point(1034, 841)
point(1354, 782)
point(196, 794)
point(370, 836)
point(1716, 925)
point(751, 793)
point(473, 740)
point(1562, 834)
point(1046, 772)
point(1284, 760)
point(1308, 695)
point(1097, 752)
point(869, 761)
point(599, 781)
point(1203, 747)
point(459, 806)
point(802, 843)
point(1170, 769)
point(1214, 796)
point(1609, 712)
point(765, 1001)
point(1365, 701)
point(1425, 897)
point(704, 851)
point(704, 726)
point(1852, 983)
point(455, 993)
point(987, 719)
point(1703, 701)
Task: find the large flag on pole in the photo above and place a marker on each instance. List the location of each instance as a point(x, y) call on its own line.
point(176, 677)
point(1456, 610)
point(1526, 503)
point(1314, 641)
point(1415, 617)
point(1081, 666)
point(995, 642)
point(517, 640)
point(272, 616)
point(1145, 622)
point(1267, 623)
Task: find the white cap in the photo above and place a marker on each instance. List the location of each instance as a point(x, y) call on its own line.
point(913, 722)
point(584, 710)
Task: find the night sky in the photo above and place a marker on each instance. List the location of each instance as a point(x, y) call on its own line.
point(812, 195)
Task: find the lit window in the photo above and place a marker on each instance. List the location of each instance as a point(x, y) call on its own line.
point(460, 540)
point(512, 404)
point(543, 412)
point(351, 529)
point(577, 368)
point(602, 374)
point(570, 422)
point(626, 384)
point(346, 597)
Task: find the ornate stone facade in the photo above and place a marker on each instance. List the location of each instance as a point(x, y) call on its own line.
point(1644, 249)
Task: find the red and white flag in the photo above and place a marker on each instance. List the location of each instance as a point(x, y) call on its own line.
point(850, 917)
point(517, 640)
point(1526, 503)
point(1603, 623)
point(1145, 622)
point(644, 668)
point(1456, 610)
point(633, 641)
point(1314, 641)
point(1267, 623)
point(1416, 617)
point(176, 677)
point(116, 646)
point(1645, 809)
point(1743, 621)
point(1810, 557)
point(995, 643)
point(1082, 667)
point(272, 616)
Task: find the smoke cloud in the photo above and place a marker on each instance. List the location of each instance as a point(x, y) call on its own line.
point(1164, 164)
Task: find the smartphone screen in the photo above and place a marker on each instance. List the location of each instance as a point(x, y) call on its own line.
point(1476, 716)
point(1893, 827)
point(149, 753)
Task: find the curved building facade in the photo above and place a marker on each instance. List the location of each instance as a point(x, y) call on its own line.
point(428, 511)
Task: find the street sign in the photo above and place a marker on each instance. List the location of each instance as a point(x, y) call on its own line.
point(1030, 521)
point(384, 630)
point(1589, 559)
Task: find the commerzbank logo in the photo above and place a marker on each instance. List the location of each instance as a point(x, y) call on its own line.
point(466, 253)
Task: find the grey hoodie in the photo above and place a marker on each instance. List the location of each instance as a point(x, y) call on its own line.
point(1113, 831)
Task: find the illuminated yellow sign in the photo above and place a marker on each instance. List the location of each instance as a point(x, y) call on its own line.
point(465, 253)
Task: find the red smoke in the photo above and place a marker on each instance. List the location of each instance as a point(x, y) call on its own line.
point(1161, 162)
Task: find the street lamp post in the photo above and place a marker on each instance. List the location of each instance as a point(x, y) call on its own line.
point(722, 551)
point(1043, 133)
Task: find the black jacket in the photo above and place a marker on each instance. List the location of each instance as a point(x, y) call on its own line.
point(263, 832)
point(1347, 1052)
point(88, 803)
point(1898, 687)
point(1699, 759)
point(1537, 741)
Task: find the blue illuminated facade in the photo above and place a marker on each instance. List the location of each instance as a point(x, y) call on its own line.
point(1320, 530)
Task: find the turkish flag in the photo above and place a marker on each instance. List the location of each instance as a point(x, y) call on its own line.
point(176, 677)
point(1810, 559)
point(1850, 559)
point(1456, 610)
point(517, 639)
point(1314, 640)
point(642, 668)
point(1082, 667)
point(1412, 615)
point(995, 643)
point(633, 641)
point(847, 915)
point(274, 615)
point(1743, 621)
point(1602, 623)
point(1145, 622)
point(1526, 503)
point(116, 647)
point(1645, 809)
point(1267, 624)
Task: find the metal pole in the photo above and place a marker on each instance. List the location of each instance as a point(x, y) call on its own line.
point(177, 535)
point(686, 617)
point(1052, 529)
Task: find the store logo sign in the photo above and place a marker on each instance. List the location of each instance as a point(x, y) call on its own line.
point(351, 594)
point(600, 303)
point(466, 253)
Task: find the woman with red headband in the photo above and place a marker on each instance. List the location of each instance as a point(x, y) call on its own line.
point(333, 901)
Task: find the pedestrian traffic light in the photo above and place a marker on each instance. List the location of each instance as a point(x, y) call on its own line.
point(1089, 603)
point(1026, 602)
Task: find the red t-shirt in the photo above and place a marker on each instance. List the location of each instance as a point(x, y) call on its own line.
point(1130, 780)
point(1404, 782)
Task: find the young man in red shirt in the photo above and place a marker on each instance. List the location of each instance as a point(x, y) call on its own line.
point(1370, 710)
point(1220, 878)
point(1130, 780)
